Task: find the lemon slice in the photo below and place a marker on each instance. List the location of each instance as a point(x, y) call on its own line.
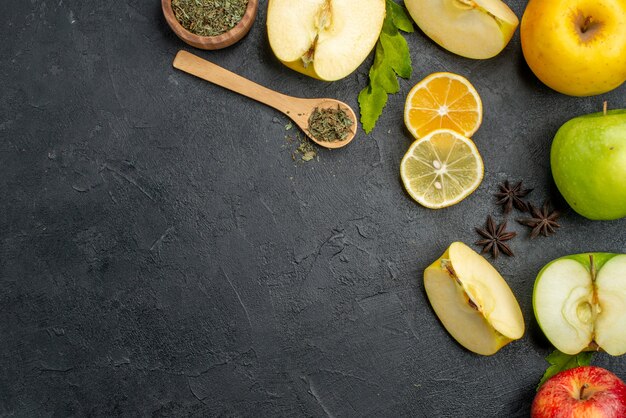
point(441, 169)
point(443, 101)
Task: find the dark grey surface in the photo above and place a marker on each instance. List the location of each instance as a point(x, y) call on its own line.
point(161, 254)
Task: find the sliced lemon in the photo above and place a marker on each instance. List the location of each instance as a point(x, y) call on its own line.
point(443, 101)
point(441, 169)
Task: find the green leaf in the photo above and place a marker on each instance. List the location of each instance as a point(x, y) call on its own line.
point(381, 74)
point(372, 100)
point(400, 19)
point(396, 50)
point(391, 59)
point(561, 361)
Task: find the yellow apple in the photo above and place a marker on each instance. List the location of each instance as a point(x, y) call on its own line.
point(471, 28)
point(324, 39)
point(472, 300)
point(576, 47)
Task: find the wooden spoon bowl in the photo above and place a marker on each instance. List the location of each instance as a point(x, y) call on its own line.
point(297, 109)
point(211, 42)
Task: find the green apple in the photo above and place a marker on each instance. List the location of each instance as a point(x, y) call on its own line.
point(588, 160)
point(472, 300)
point(580, 302)
point(324, 39)
point(471, 28)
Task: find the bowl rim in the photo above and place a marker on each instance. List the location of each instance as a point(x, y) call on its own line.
point(211, 42)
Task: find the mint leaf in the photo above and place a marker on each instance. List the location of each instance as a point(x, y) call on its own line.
point(391, 59)
point(561, 361)
point(396, 49)
point(381, 74)
point(372, 100)
point(399, 16)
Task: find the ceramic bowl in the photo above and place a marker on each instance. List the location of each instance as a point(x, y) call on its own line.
point(211, 42)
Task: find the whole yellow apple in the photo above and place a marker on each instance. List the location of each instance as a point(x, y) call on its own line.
point(576, 47)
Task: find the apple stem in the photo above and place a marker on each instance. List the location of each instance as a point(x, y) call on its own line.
point(581, 395)
point(592, 268)
point(605, 107)
point(586, 24)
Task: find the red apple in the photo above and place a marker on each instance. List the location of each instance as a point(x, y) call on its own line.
point(581, 392)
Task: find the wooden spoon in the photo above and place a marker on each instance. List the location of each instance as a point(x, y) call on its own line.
point(297, 109)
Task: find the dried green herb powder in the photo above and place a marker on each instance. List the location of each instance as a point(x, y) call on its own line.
point(209, 17)
point(329, 124)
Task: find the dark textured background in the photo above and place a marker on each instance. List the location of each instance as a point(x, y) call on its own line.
point(161, 254)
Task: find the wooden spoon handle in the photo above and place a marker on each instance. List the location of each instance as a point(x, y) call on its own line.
point(208, 71)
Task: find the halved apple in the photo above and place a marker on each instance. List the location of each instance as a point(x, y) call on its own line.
point(580, 303)
point(471, 28)
point(472, 300)
point(325, 39)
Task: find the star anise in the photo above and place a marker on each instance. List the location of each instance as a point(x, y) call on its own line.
point(510, 196)
point(494, 238)
point(543, 221)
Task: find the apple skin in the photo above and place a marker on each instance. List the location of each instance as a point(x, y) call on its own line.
point(556, 51)
point(559, 397)
point(588, 160)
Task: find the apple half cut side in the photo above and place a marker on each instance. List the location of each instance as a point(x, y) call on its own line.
point(476, 29)
point(580, 303)
point(472, 300)
point(324, 39)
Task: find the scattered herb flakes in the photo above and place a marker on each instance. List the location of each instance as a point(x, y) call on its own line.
point(288, 126)
point(329, 124)
point(306, 149)
point(494, 237)
point(391, 60)
point(209, 17)
point(561, 361)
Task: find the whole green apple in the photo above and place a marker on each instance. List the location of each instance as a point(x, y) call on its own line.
point(588, 160)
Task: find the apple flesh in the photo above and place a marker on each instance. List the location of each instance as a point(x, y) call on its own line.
point(472, 300)
point(580, 302)
point(588, 161)
point(476, 29)
point(324, 39)
point(576, 47)
point(585, 391)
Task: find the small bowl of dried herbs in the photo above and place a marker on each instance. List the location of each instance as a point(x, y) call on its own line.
point(210, 24)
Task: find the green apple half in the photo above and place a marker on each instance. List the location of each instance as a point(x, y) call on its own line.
point(580, 302)
point(472, 300)
point(588, 161)
point(471, 28)
point(324, 39)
